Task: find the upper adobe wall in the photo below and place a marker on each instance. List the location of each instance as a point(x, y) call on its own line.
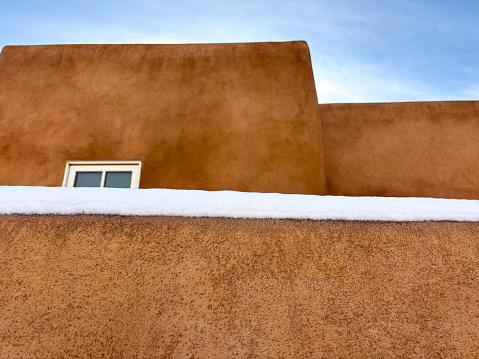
point(205, 116)
point(415, 149)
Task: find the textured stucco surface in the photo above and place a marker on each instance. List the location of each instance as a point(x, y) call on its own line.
point(204, 116)
point(417, 149)
point(166, 287)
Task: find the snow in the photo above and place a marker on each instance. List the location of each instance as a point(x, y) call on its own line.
point(192, 203)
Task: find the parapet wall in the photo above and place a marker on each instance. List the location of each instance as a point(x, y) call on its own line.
point(238, 117)
point(170, 287)
point(416, 149)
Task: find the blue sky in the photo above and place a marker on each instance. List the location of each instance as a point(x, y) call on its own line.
point(362, 50)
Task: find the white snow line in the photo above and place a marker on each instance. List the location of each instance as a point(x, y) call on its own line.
point(192, 203)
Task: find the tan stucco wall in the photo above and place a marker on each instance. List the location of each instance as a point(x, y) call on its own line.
point(418, 149)
point(205, 116)
point(163, 287)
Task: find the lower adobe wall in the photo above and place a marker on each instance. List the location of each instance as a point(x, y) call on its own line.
point(169, 287)
point(415, 149)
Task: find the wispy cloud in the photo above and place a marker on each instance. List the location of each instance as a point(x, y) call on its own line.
point(363, 84)
point(472, 92)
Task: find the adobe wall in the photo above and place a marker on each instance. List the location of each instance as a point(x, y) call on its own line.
point(204, 116)
point(163, 287)
point(417, 149)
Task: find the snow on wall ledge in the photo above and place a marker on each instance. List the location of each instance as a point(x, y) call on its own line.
point(192, 203)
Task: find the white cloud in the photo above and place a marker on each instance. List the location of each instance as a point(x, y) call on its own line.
point(355, 82)
point(472, 92)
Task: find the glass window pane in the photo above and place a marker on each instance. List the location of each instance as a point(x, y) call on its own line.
point(118, 179)
point(88, 179)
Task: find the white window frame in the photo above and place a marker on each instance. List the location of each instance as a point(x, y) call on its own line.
point(102, 166)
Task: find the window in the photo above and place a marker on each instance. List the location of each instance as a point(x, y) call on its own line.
point(114, 174)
